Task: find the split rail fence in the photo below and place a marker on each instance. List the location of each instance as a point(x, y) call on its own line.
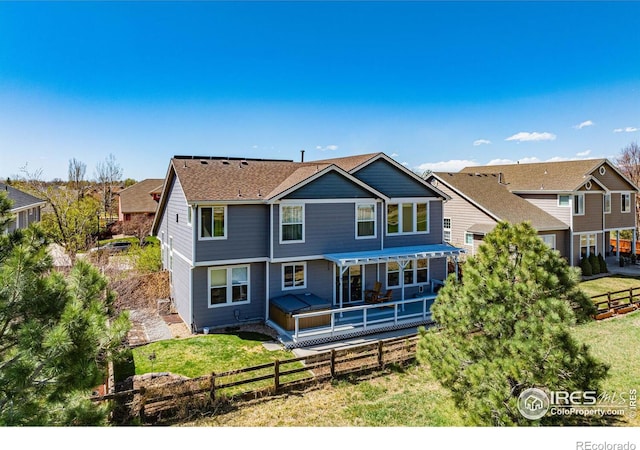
point(167, 401)
point(616, 303)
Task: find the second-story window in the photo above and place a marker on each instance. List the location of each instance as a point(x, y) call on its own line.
point(212, 222)
point(292, 223)
point(405, 218)
point(365, 220)
point(607, 203)
point(625, 205)
point(578, 205)
point(446, 224)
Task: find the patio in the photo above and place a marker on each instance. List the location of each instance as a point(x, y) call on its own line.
point(352, 321)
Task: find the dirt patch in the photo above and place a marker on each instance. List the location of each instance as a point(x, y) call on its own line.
point(140, 291)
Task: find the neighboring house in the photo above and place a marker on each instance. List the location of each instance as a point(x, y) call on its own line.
point(248, 240)
point(26, 207)
point(479, 201)
point(590, 197)
point(139, 199)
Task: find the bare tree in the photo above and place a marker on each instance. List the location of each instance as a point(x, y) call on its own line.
point(77, 171)
point(139, 226)
point(629, 164)
point(108, 172)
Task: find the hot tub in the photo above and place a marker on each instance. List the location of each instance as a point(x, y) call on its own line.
point(282, 309)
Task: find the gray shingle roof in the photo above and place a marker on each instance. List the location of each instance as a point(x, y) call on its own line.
point(487, 192)
point(20, 199)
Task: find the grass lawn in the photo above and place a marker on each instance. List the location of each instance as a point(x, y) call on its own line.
point(615, 341)
point(203, 354)
point(609, 284)
point(413, 397)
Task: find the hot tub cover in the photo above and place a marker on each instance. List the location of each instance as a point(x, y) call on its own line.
point(298, 303)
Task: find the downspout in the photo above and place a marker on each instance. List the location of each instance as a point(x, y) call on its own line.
point(571, 255)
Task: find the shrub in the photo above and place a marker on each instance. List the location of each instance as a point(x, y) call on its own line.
point(595, 264)
point(603, 264)
point(586, 267)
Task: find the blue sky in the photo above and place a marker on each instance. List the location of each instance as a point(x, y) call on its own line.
point(437, 85)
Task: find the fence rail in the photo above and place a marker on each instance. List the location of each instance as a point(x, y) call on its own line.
point(175, 399)
point(618, 302)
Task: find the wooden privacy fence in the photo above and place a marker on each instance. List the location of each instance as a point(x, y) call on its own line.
point(166, 401)
point(614, 303)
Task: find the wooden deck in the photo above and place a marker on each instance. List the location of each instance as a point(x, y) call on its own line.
point(357, 320)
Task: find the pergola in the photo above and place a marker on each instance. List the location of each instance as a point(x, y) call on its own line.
point(400, 255)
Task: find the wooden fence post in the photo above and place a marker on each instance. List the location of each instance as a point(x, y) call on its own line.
point(212, 388)
point(332, 363)
point(609, 300)
point(276, 375)
point(380, 361)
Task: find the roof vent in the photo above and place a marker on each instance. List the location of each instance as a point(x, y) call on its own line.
point(239, 194)
point(226, 163)
point(244, 162)
point(545, 171)
point(259, 193)
point(202, 161)
point(185, 164)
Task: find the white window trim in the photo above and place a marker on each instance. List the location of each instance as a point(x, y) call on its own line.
point(399, 204)
point(466, 234)
point(595, 243)
point(301, 241)
point(575, 199)
point(568, 205)
point(375, 221)
point(415, 274)
point(622, 196)
point(226, 222)
point(553, 239)
point(294, 264)
point(604, 203)
point(229, 301)
point(190, 215)
point(445, 229)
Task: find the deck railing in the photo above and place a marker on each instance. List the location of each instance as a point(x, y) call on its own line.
point(339, 323)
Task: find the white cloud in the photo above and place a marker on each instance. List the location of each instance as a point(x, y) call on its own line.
point(626, 130)
point(393, 155)
point(404, 163)
point(480, 142)
point(586, 123)
point(584, 153)
point(453, 165)
point(535, 136)
point(328, 147)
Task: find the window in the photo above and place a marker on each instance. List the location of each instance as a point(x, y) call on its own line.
point(365, 220)
point(446, 225)
point(607, 203)
point(212, 222)
point(189, 215)
point(550, 240)
point(293, 276)
point(578, 205)
point(228, 285)
point(415, 272)
point(405, 218)
point(468, 238)
point(564, 200)
point(625, 205)
point(292, 223)
point(393, 274)
point(587, 245)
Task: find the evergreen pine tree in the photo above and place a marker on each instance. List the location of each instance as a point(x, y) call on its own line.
point(506, 328)
point(585, 267)
point(56, 337)
point(595, 264)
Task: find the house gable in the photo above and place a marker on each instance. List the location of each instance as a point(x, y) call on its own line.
point(393, 181)
point(331, 185)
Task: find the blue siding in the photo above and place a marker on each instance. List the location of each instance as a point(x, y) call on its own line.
point(330, 185)
point(391, 181)
point(224, 315)
point(319, 280)
point(174, 221)
point(181, 289)
point(329, 228)
point(247, 235)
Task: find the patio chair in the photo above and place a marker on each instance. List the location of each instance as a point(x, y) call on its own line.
point(385, 298)
point(371, 294)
